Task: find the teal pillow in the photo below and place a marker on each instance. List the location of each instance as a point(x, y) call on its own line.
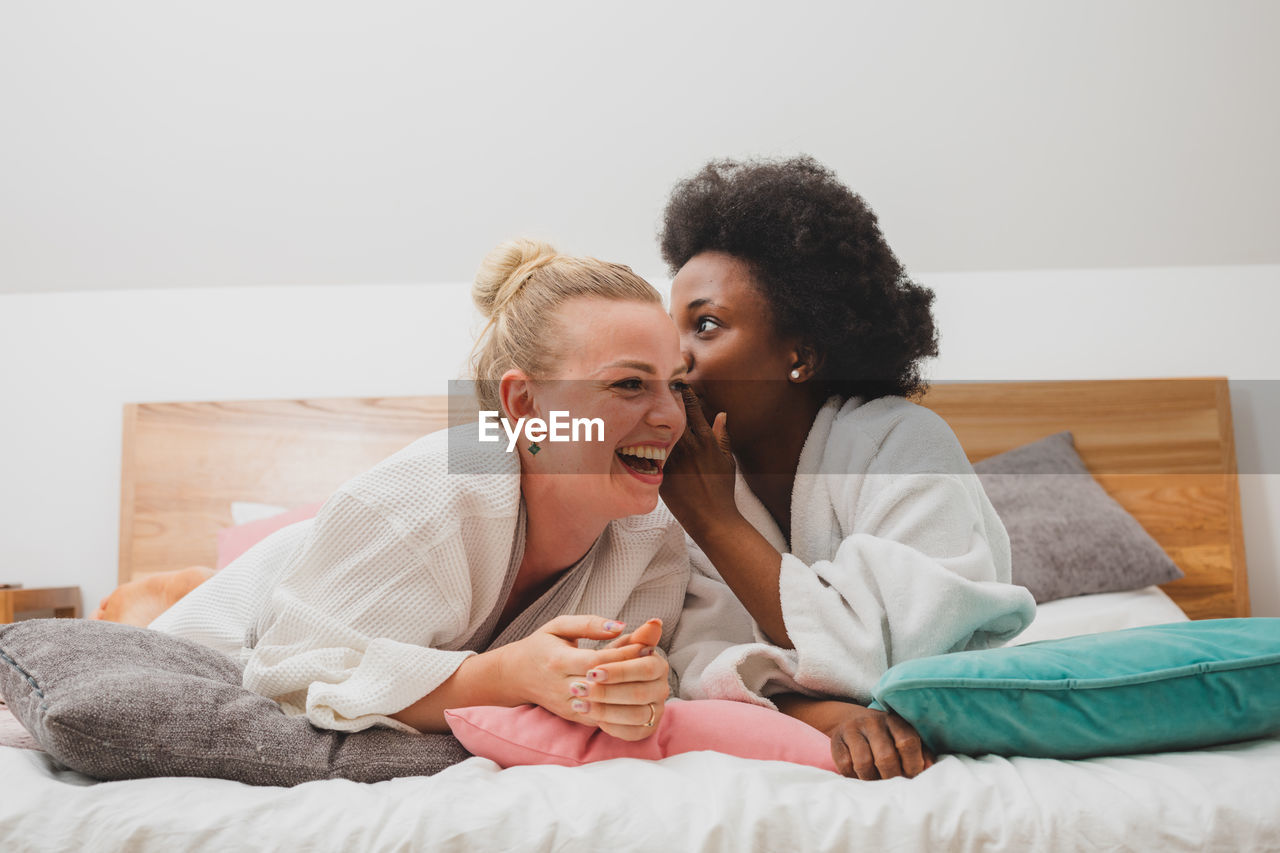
point(1151, 689)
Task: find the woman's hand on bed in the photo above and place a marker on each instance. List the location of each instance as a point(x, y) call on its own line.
point(698, 477)
point(869, 744)
point(865, 743)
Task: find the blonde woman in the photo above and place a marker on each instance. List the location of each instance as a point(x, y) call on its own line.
point(460, 572)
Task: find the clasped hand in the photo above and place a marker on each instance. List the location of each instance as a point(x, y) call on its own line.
point(620, 688)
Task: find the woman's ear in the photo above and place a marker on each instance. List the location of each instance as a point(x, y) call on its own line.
point(515, 394)
point(805, 363)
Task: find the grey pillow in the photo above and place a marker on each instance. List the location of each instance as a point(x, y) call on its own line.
point(1069, 537)
point(118, 702)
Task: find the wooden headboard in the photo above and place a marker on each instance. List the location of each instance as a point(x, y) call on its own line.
point(185, 463)
point(1163, 448)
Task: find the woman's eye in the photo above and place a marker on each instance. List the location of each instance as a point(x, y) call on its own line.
point(679, 386)
point(704, 324)
point(630, 385)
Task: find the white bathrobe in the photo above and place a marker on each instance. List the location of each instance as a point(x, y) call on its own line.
point(896, 553)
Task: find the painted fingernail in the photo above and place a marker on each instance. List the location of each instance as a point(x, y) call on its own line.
point(579, 706)
point(578, 688)
point(613, 626)
point(595, 675)
point(645, 652)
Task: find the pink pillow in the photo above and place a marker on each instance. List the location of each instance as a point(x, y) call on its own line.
point(529, 734)
point(234, 541)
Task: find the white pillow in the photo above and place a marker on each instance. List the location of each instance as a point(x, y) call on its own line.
point(243, 512)
point(1104, 611)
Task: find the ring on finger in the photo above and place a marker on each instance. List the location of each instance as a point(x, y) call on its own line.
point(653, 716)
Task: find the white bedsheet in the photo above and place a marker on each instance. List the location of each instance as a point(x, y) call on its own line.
point(1105, 611)
point(1225, 798)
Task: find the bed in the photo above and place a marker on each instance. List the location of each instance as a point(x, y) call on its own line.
point(1162, 448)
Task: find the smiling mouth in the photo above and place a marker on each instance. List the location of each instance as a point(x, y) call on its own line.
point(644, 459)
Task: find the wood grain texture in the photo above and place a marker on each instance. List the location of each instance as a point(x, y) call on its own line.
point(1162, 448)
point(63, 601)
point(187, 463)
point(128, 476)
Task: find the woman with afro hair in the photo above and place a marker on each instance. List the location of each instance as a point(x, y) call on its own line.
point(837, 528)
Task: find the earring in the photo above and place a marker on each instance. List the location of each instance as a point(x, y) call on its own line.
point(795, 374)
point(534, 448)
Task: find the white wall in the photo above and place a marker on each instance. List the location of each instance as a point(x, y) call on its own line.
point(148, 143)
point(72, 359)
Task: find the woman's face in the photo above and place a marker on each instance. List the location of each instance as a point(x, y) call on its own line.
point(620, 363)
point(737, 362)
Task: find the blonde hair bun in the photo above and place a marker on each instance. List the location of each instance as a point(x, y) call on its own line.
point(505, 269)
point(521, 287)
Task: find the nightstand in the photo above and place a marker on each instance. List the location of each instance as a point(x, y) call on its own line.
point(64, 601)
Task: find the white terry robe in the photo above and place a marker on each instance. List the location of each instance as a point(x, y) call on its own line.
point(368, 607)
point(896, 553)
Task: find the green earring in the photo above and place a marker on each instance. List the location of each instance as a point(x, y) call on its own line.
point(534, 448)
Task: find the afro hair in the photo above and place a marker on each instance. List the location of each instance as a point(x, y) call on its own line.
point(816, 252)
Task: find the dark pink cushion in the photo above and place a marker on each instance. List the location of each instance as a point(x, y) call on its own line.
point(234, 541)
point(529, 734)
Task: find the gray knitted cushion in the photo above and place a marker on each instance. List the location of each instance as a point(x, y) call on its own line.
point(118, 702)
point(1069, 537)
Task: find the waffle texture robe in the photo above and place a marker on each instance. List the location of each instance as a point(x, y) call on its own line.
point(356, 614)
